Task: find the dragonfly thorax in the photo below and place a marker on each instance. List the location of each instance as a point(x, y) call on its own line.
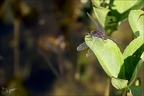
point(97, 34)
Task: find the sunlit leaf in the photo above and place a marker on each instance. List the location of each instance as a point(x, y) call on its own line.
point(142, 56)
point(100, 1)
point(128, 5)
point(100, 12)
point(133, 46)
point(138, 82)
point(119, 83)
point(136, 22)
point(108, 54)
point(123, 5)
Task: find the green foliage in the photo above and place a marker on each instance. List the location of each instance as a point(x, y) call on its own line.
point(132, 60)
point(112, 60)
point(138, 5)
point(118, 11)
point(122, 6)
point(121, 68)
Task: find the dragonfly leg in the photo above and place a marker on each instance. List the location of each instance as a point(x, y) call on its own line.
point(89, 53)
point(89, 33)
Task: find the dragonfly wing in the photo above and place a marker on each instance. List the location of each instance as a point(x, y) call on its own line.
point(93, 21)
point(82, 46)
point(97, 24)
point(89, 52)
point(101, 29)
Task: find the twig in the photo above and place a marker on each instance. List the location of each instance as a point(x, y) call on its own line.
point(49, 63)
point(61, 64)
point(107, 87)
point(58, 51)
point(16, 46)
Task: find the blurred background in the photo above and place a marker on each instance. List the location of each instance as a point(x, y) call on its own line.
point(38, 56)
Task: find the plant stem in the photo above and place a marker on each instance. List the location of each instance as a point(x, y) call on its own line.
point(16, 46)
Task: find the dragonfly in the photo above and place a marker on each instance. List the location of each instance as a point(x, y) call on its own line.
point(99, 32)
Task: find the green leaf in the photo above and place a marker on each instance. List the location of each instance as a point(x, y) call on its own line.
point(136, 90)
point(142, 56)
point(121, 5)
point(107, 53)
point(136, 22)
point(99, 2)
point(132, 58)
point(137, 82)
point(138, 5)
point(112, 20)
point(133, 46)
point(135, 72)
point(119, 83)
point(100, 12)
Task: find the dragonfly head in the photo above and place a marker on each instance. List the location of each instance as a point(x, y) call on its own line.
point(90, 33)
